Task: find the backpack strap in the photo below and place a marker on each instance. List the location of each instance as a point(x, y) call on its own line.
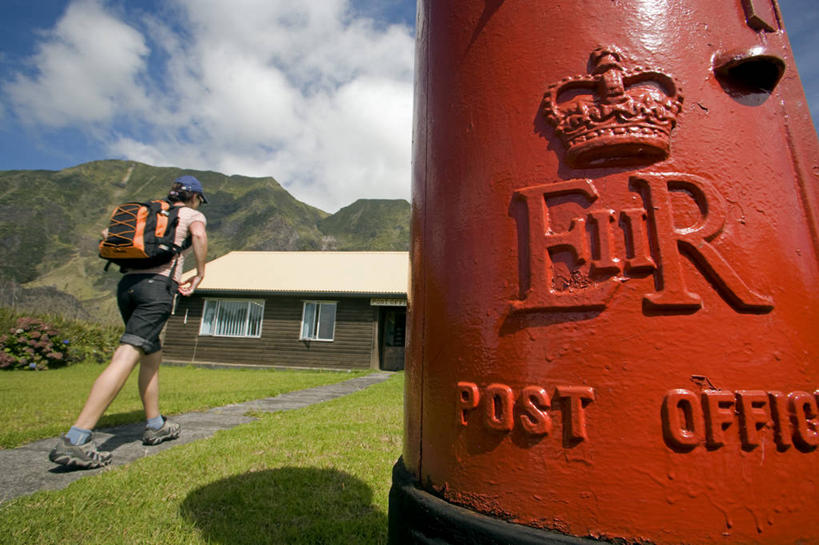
point(173, 269)
point(187, 243)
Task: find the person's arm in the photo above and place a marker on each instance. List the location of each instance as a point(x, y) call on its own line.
point(199, 239)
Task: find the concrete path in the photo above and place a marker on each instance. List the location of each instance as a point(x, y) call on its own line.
point(26, 469)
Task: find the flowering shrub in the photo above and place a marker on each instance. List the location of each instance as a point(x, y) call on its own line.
point(33, 344)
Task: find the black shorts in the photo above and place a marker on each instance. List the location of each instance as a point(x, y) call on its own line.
point(145, 302)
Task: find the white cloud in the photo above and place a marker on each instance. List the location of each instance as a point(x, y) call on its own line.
point(301, 91)
point(364, 131)
point(247, 102)
point(86, 68)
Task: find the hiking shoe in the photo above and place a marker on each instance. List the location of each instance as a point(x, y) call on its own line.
point(169, 430)
point(85, 456)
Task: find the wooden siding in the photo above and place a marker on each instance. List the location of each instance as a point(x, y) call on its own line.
point(353, 347)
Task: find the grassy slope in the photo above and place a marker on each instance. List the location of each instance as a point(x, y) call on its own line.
point(383, 224)
point(316, 475)
point(38, 405)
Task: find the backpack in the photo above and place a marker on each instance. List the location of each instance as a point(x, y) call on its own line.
point(141, 235)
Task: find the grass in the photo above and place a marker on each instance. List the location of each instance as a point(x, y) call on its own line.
point(315, 475)
point(38, 405)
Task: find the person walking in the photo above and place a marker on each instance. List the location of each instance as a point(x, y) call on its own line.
point(145, 300)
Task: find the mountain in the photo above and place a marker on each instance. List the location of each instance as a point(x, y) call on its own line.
point(50, 223)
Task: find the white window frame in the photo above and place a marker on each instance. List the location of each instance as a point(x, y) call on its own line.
point(211, 330)
point(314, 326)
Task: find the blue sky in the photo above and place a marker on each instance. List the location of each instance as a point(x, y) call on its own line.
point(317, 94)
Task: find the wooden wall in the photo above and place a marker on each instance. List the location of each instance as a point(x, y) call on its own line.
point(354, 345)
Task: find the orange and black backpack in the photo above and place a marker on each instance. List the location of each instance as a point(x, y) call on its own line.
point(141, 235)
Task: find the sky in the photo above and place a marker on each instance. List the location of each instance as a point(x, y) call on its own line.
point(316, 93)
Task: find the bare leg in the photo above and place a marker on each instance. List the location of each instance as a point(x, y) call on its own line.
point(108, 385)
point(149, 383)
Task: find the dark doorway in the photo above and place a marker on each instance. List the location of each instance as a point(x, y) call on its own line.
point(393, 327)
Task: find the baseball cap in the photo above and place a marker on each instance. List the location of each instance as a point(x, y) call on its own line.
point(189, 183)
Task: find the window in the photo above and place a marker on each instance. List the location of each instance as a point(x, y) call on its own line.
point(318, 321)
point(232, 318)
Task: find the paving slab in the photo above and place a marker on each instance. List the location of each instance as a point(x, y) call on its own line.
point(26, 469)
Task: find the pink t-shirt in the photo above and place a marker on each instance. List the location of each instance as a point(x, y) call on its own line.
point(186, 217)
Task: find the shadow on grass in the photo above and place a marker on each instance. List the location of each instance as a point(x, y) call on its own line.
point(288, 505)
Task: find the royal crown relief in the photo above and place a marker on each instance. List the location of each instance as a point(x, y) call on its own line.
point(613, 116)
point(620, 116)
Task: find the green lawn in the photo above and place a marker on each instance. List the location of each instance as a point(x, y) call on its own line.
point(314, 475)
point(41, 404)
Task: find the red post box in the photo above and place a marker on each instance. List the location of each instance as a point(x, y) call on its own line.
point(614, 311)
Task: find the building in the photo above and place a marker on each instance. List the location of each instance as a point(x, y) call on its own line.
point(331, 310)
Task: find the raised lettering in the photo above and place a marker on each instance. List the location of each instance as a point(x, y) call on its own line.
point(806, 420)
point(794, 418)
point(695, 242)
point(650, 242)
point(718, 407)
point(500, 405)
point(779, 414)
point(534, 419)
point(575, 398)
point(501, 409)
point(639, 255)
point(542, 240)
point(753, 415)
point(468, 399)
point(682, 416)
point(605, 260)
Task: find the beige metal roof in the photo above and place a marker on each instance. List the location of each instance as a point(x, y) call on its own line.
point(330, 272)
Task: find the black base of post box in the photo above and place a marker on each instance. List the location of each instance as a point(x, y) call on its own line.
point(417, 517)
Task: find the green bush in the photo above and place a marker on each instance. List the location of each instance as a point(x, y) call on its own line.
point(33, 344)
point(88, 342)
point(92, 343)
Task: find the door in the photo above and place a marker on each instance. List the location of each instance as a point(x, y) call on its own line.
point(394, 324)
